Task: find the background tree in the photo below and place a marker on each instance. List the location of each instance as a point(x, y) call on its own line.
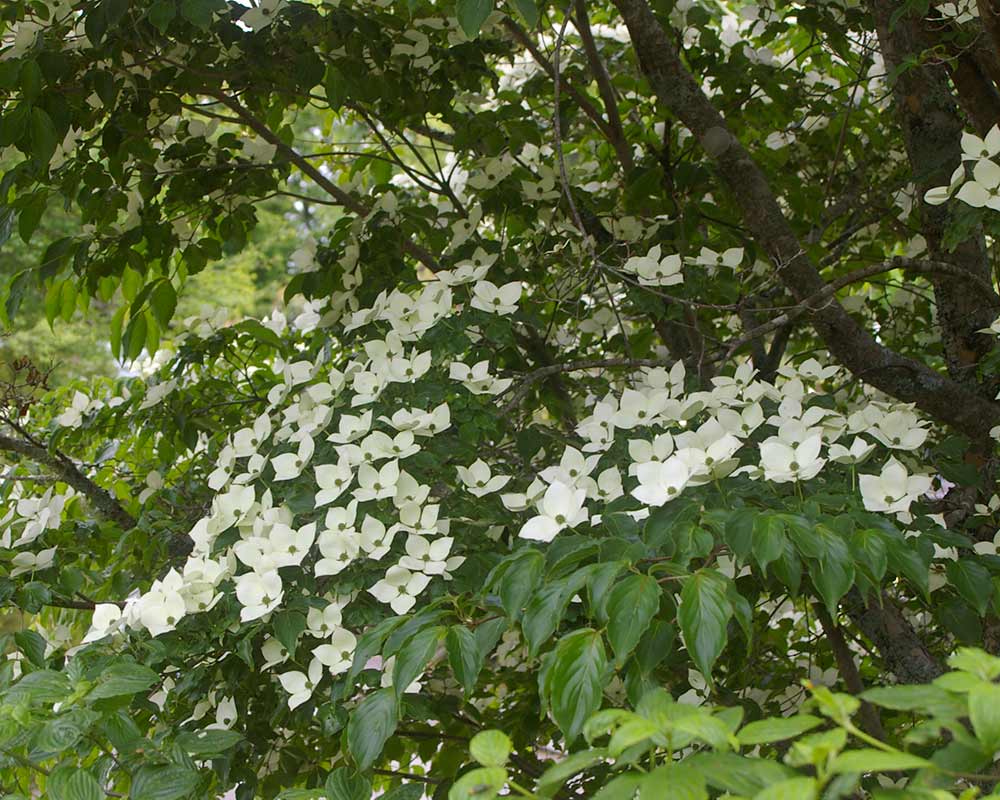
point(637, 363)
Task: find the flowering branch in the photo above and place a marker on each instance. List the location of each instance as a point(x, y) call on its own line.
point(70, 474)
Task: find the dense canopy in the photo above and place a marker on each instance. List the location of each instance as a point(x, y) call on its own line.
point(626, 427)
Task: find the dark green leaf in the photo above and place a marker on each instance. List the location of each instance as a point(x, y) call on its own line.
point(371, 724)
point(631, 606)
point(576, 680)
point(704, 613)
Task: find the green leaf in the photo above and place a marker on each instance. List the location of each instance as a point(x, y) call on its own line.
point(543, 615)
point(479, 784)
point(32, 644)
point(161, 14)
point(673, 782)
point(872, 760)
point(412, 658)
point(738, 774)
point(554, 777)
point(984, 713)
point(576, 679)
point(44, 138)
point(924, 699)
point(288, 626)
point(464, 656)
point(163, 301)
point(208, 742)
point(972, 582)
point(792, 789)
point(371, 724)
point(491, 748)
point(704, 613)
point(528, 11)
point(869, 549)
point(81, 785)
point(472, 14)
point(631, 607)
point(768, 539)
point(162, 783)
point(345, 784)
point(519, 581)
point(833, 577)
point(122, 679)
point(336, 88)
point(777, 729)
point(43, 686)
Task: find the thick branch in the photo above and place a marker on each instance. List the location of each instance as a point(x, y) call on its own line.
point(882, 622)
point(848, 670)
point(932, 129)
point(66, 471)
point(619, 142)
point(855, 347)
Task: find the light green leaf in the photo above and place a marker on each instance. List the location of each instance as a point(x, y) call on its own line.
point(984, 713)
point(777, 729)
point(490, 748)
point(872, 760)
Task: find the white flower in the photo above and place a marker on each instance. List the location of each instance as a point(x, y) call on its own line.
point(300, 686)
point(290, 465)
point(893, 489)
point(660, 482)
point(162, 607)
point(479, 480)
point(486, 296)
point(640, 408)
point(984, 189)
point(606, 488)
point(573, 467)
point(974, 148)
point(399, 588)
point(338, 654)
point(339, 549)
point(259, 594)
point(32, 562)
point(654, 270)
point(858, 452)
point(783, 462)
point(377, 484)
point(477, 378)
point(900, 429)
point(321, 622)
point(106, 620)
point(247, 440)
point(333, 480)
point(374, 539)
point(731, 258)
point(289, 545)
point(80, 405)
point(560, 507)
point(350, 427)
point(425, 556)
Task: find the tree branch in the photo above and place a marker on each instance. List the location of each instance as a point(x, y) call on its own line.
point(856, 348)
point(603, 80)
point(66, 471)
point(343, 198)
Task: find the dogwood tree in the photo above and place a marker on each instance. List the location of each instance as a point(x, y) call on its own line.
point(628, 426)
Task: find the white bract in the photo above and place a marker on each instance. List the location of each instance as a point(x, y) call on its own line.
point(560, 507)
